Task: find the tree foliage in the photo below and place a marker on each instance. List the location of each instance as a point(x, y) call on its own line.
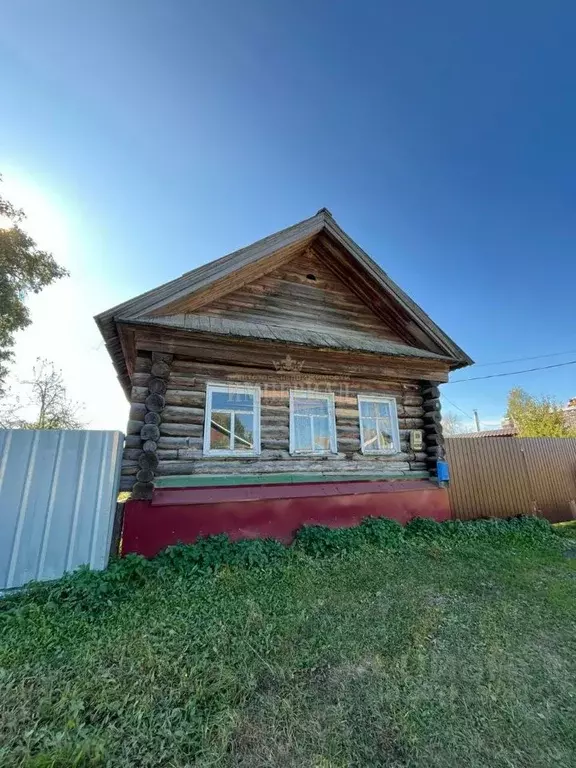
point(537, 416)
point(24, 269)
point(48, 406)
point(454, 424)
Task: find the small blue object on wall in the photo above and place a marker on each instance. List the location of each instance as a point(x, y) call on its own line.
point(442, 471)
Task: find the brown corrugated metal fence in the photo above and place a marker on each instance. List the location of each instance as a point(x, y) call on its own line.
point(503, 476)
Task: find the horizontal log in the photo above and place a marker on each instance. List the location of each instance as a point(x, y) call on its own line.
point(131, 454)
point(430, 392)
point(271, 443)
point(132, 441)
point(185, 397)
point(197, 454)
point(133, 427)
point(186, 381)
point(139, 394)
point(144, 476)
point(196, 377)
point(412, 400)
point(152, 418)
point(179, 414)
point(410, 411)
point(432, 405)
point(294, 464)
point(167, 454)
point(150, 446)
point(274, 430)
point(410, 423)
point(346, 413)
point(137, 411)
point(267, 422)
point(172, 442)
point(181, 430)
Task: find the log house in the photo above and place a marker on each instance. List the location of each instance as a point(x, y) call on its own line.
point(294, 366)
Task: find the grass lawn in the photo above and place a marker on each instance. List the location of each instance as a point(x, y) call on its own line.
point(430, 654)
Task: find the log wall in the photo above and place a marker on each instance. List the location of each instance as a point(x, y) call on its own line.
point(179, 439)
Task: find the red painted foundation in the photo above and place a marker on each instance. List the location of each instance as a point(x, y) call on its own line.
point(183, 514)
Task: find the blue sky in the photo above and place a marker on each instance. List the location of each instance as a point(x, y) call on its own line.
point(151, 136)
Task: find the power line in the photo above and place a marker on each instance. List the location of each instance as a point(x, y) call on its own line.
point(514, 373)
point(457, 407)
point(522, 359)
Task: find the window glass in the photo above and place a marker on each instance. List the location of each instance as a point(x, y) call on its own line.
point(302, 433)
point(370, 430)
point(312, 424)
point(244, 432)
point(220, 434)
point(373, 408)
point(232, 400)
point(378, 425)
point(322, 434)
point(311, 406)
point(232, 420)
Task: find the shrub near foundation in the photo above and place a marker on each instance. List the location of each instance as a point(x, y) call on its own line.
point(95, 590)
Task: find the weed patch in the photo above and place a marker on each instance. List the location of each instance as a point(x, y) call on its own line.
point(428, 646)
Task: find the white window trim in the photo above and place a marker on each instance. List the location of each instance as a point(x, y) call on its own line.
point(241, 390)
point(394, 424)
point(329, 396)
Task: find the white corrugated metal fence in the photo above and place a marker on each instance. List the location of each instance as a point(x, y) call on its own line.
point(58, 493)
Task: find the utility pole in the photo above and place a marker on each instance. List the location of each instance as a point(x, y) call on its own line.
point(476, 419)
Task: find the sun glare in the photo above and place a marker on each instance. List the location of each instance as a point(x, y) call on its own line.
point(44, 221)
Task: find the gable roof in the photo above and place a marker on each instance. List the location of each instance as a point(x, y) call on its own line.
point(162, 305)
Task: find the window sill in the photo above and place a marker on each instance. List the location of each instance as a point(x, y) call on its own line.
point(380, 453)
point(230, 455)
point(314, 453)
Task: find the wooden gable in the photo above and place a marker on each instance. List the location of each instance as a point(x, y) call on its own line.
point(303, 293)
point(309, 284)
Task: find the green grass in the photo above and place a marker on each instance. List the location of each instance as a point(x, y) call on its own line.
point(448, 652)
point(566, 529)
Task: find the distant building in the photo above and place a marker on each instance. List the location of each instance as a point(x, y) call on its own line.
point(509, 430)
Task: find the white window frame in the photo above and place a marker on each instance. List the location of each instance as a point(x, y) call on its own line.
point(329, 397)
point(212, 387)
point(391, 401)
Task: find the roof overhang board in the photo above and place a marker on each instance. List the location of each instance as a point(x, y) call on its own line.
point(235, 279)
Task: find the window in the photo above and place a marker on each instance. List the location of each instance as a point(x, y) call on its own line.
point(232, 423)
point(378, 424)
point(312, 425)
